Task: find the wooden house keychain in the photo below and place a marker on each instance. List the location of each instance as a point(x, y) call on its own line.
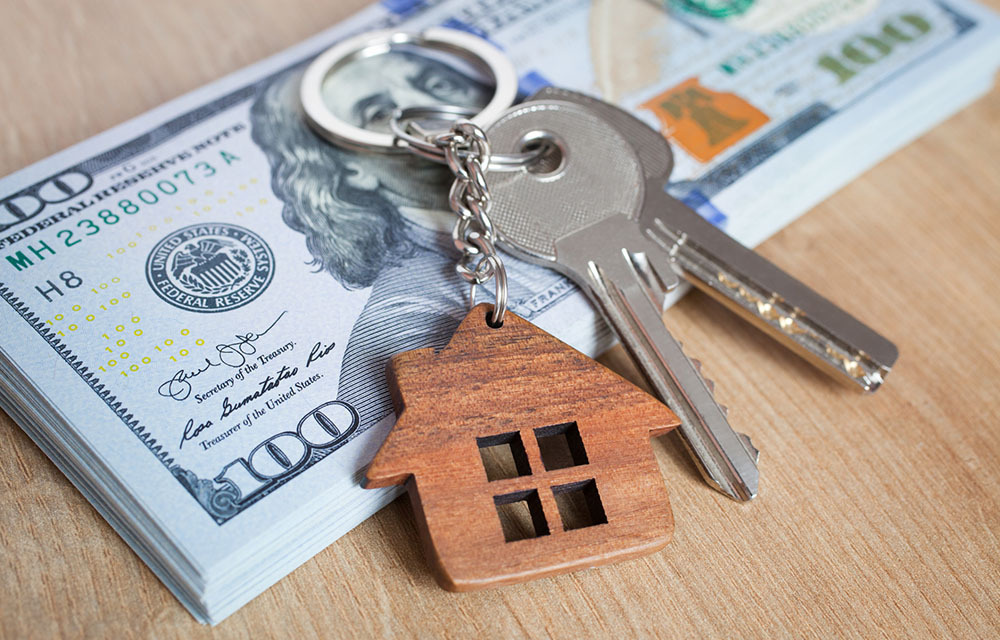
point(522, 457)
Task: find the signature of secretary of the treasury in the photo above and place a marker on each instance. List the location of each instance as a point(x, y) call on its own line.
point(230, 354)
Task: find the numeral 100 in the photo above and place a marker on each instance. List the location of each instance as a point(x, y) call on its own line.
point(865, 50)
point(284, 453)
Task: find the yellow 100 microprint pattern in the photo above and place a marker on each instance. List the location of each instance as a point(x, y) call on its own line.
point(122, 344)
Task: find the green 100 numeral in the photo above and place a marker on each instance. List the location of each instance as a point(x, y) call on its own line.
point(865, 50)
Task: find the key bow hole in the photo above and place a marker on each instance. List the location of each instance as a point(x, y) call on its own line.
point(551, 158)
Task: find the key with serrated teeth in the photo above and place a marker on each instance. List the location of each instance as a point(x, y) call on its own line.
point(741, 279)
point(576, 211)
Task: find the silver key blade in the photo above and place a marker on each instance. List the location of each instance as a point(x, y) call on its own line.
point(568, 219)
point(595, 254)
point(770, 298)
point(749, 284)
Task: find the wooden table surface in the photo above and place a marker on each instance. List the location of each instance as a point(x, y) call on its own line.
point(878, 515)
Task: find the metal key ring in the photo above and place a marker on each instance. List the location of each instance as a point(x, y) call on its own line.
point(424, 145)
point(473, 49)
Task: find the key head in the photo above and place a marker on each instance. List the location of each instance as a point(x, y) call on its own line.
point(595, 175)
point(581, 215)
point(653, 150)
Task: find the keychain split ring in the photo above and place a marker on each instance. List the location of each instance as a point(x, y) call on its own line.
point(424, 145)
point(473, 49)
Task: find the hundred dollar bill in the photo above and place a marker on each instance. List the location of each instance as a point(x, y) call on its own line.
point(197, 306)
point(771, 105)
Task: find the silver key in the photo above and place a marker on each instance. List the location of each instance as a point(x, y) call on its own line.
point(743, 280)
point(575, 211)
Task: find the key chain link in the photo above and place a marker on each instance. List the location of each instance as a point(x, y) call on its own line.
point(465, 149)
point(467, 154)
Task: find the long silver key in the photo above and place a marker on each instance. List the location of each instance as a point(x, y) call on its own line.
point(574, 211)
point(744, 281)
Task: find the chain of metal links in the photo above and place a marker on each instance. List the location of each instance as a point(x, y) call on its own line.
point(467, 153)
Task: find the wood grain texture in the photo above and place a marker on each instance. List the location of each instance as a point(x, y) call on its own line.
point(517, 387)
point(878, 516)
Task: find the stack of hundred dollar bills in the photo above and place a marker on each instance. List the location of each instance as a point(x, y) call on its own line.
point(198, 305)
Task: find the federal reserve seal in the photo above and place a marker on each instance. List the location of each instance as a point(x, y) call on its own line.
point(210, 267)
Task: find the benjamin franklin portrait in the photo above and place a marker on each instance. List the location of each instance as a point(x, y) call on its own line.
point(375, 219)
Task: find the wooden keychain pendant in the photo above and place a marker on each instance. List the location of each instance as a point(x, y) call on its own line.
point(523, 457)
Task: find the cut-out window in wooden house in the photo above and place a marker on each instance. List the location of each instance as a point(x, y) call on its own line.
point(503, 456)
point(579, 505)
point(521, 515)
point(561, 446)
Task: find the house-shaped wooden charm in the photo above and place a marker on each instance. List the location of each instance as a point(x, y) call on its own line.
point(523, 457)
